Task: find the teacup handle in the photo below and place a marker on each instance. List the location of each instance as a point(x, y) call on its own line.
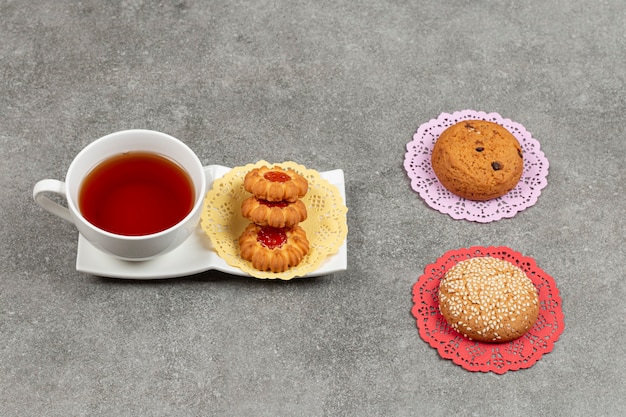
point(56, 187)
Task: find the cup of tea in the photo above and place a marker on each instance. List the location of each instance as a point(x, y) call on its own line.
point(135, 194)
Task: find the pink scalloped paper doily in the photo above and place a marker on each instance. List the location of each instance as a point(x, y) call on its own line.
point(423, 179)
point(480, 356)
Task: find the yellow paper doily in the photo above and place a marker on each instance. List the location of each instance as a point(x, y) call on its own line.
point(326, 225)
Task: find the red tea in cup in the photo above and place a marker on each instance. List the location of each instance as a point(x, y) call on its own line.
point(136, 193)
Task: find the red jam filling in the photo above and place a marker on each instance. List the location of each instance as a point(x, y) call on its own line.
point(272, 237)
point(276, 176)
point(279, 204)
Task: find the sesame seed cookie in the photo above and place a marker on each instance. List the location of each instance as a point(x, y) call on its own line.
point(477, 160)
point(488, 299)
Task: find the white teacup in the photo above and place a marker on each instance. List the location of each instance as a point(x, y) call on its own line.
point(132, 248)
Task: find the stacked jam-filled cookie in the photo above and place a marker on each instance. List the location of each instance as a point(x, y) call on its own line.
point(274, 241)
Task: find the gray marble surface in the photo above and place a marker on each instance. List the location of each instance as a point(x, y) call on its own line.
point(329, 84)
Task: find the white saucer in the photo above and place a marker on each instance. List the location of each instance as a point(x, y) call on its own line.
point(196, 254)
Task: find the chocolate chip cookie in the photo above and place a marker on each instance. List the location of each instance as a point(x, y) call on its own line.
point(477, 160)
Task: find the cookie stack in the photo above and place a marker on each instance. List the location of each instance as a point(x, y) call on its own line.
point(274, 241)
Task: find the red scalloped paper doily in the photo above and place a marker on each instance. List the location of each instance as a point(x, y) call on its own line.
point(424, 181)
point(480, 356)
